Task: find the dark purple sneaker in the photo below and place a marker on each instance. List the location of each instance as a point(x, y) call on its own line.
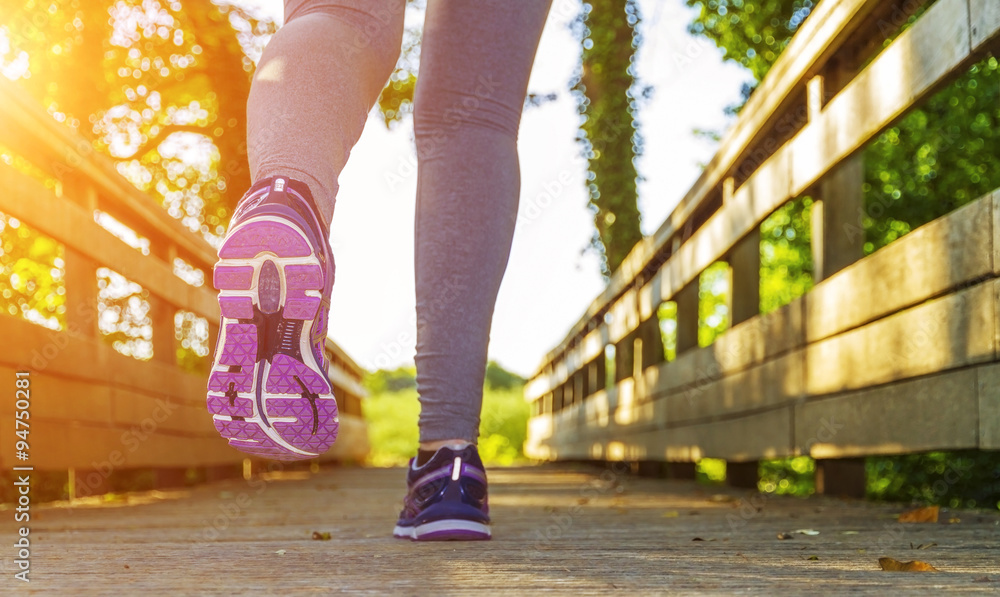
point(269, 390)
point(446, 498)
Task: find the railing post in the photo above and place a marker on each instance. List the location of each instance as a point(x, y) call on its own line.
point(81, 294)
point(687, 317)
point(652, 343)
point(841, 477)
point(838, 239)
point(161, 313)
point(744, 263)
point(682, 470)
point(742, 474)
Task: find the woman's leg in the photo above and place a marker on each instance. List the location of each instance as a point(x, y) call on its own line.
point(269, 392)
point(474, 66)
point(315, 84)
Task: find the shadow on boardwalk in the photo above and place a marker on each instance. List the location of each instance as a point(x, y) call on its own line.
point(557, 529)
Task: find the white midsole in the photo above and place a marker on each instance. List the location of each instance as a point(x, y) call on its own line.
point(415, 532)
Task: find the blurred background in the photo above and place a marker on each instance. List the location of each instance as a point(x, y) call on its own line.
point(627, 103)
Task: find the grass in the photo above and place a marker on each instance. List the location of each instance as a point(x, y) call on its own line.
point(392, 426)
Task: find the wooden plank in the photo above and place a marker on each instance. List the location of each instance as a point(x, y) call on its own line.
point(945, 333)
point(984, 16)
point(343, 381)
point(775, 382)
point(749, 344)
point(73, 226)
point(988, 380)
point(940, 255)
point(938, 412)
point(94, 361)
point(355, 370)
point(55, 397)
point(762, 435)
point(59, 445)
point(540, 429)
point(558, 530)
point(130, 408)
point(687, 300)
point(744, 264)
point(80, 281)
point(915, 63)
point(841, 211)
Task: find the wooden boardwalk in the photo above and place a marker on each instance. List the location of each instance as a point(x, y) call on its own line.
point(558, 529)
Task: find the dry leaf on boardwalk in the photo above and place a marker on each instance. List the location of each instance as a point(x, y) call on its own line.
point(928, 514)
point(891, 565)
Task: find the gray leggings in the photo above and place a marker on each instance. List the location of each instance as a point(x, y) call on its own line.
point(315, 84)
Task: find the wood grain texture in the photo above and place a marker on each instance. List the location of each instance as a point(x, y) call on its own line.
point(73, 226)
point(984, 16)
point(557, 530)
point(938, 412)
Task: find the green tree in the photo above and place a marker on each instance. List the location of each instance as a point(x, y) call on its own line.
point(498, 378)
point(147, 81)
point(609, 135)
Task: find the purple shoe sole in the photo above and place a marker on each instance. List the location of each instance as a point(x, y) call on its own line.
point(267, 394)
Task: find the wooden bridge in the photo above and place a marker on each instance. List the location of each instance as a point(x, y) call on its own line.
point(891, 353)
point(104, 401)
point(894, 352)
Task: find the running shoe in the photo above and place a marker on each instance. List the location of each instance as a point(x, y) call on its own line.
point(446, 498)
point(269, 391)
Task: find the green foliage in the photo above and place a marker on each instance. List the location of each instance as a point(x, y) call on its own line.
point(750, 32)
point(128, 75)
point(392, 426)
point(966, 479)
point(710, 470)
point(714, 290)
point(498, 378)
point(788, 476)
point(383, 381)
point(396, 99)
point(937, 158)
point(392, 416)
point(609, 135)
point(504, 426)
point(191, 333)
point(666, 314)
point(32, 275)
point(786, 265)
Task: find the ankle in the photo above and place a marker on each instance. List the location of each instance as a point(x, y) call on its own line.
point(454, 444)
point(427, 450)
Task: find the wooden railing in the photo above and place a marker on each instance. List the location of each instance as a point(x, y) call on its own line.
point(92, 408)
point(894, 352)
